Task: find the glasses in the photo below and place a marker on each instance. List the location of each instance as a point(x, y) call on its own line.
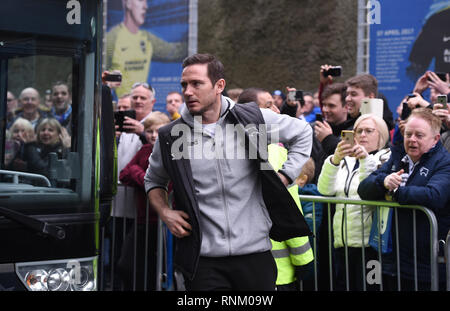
point(144, 84)
point(368, 131)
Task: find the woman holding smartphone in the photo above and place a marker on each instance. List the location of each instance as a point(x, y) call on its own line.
point(341, 174)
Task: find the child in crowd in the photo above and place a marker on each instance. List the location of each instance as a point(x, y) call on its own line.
point(133, 175)
point(305, 187)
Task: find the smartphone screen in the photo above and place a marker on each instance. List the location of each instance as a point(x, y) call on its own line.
point(442, 99)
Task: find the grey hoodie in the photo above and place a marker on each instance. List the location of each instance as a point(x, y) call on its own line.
point(233, 216)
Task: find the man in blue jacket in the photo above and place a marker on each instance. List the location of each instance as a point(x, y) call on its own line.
point(418, 173)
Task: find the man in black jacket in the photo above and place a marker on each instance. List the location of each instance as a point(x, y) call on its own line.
point(226, 204)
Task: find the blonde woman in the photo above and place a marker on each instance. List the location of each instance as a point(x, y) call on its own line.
point(51, 137)
point(21, 132)
point(340, 176)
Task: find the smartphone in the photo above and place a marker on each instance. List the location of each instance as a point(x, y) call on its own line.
point(299, 97)
point(291, 96)
point(335, 71)
point(119, 117)
point(113, 77)
point(442, 99)
point(319, 117)
point(348, 137)
point(406, 111)
point(441, 75)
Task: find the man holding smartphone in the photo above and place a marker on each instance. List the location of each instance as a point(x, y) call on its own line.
point(129, 143)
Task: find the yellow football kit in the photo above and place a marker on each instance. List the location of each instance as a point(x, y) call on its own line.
point(132, 54)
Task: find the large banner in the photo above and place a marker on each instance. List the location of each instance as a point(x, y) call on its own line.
point(147, 41)
point(407, 38)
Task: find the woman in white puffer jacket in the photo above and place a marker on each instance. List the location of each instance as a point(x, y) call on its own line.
point(340, 176)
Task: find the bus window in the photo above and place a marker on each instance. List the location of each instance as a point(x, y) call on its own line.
point(39, 137)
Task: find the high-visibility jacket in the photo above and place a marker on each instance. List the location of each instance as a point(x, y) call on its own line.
point(296, 251)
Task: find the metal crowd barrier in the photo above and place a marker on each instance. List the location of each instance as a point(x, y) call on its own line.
point(447, 259)
point(113, 236)
point(434, 259)
point(110, 280)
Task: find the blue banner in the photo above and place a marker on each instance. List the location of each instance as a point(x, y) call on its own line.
point(147, 42)
point(407, 38)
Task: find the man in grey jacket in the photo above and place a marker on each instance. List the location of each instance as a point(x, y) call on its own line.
point(225, 208)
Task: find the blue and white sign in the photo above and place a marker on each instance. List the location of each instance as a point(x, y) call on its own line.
point(407, 38)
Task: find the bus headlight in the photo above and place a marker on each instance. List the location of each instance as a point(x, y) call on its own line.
point(59, 275)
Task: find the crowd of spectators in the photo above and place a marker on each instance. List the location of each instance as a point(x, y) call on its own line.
point(405, 160)
point(337, 167)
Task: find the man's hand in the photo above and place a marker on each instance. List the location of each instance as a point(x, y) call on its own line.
point(176, 221)
point(133, 126)
point(294, 103)
point(325, 80)
point(322, 130)
point(283, 179)
point(442, 87)
point(421, 84)
point(414, 102)
point(393, 181)
point(443, 114)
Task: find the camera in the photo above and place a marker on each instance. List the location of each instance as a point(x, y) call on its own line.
point(335, 71)
point(296, 96)
point(119, 117)
point(113, 77)
point(406, 111)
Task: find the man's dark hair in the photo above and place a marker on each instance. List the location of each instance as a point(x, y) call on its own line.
point(308, 93)
point(249, 95)
point(335, 88)
point(216, 70)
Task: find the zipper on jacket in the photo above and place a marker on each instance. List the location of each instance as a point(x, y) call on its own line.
point(224, 198)
point(346, 191)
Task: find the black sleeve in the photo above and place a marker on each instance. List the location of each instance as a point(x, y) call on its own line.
point(387, 113)
point(330, 143)
point(108, 177)
point(289, 110)
point(35, 163)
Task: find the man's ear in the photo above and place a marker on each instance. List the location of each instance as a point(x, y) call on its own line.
point(220, 86)
point(371, 95)
point(437, 137)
